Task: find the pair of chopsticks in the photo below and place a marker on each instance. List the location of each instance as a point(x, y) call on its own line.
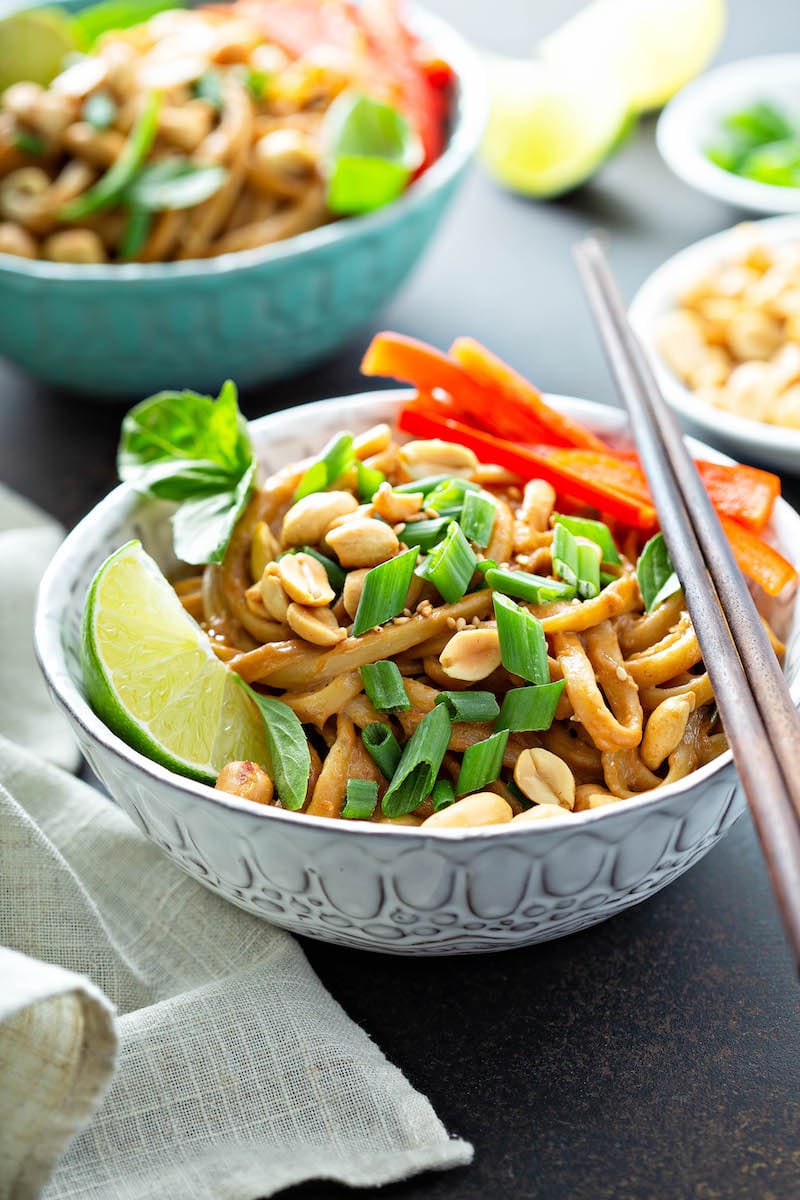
point(750, 690)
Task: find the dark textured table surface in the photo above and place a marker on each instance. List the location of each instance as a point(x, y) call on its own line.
point(655, 1055)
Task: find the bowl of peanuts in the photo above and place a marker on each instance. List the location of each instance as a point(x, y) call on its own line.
point(720, 321)
point(471, 883)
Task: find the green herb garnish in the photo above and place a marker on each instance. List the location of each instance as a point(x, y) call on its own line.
point(419, 765)
point(385, 591)
point(656, 574)
point(482, 763)
point(361, 799)
point(369, 154)
point(289, 758)
point(383, 746)
point(383, 684)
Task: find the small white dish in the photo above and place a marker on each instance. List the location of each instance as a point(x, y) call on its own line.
point(692, 122)
point(751, 441)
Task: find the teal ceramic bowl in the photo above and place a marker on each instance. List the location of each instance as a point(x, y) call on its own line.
point(132, 329)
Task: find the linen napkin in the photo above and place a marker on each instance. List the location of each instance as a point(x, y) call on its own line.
point(156, 1041)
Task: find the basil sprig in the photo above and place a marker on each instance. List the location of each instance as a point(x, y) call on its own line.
point(369, 153)
point(287, 745)
point(656, 574)
point(195, 450)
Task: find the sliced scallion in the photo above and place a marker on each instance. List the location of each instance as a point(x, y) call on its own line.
point(135, 233)
point(565, 555)
point(333, 462)
point(361, 798)
point(482, 763)
point(383, 684)
point(477, 517)
point(530, 708)
point(594, 531)
point(443, 794)
point(536, 589)
point(368, 480)
point(523, 646)
point(450, 565)
point(109, 187)
point(447, 498)
point(385, 590)
point(425, 485)
point(589, 554)
point(425, 533)
point(469, 706)
point(383, 747)
point(422, 757)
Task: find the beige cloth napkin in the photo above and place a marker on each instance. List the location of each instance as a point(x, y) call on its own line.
point(156, 1041)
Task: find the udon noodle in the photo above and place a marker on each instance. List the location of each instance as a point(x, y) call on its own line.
point(637, 710)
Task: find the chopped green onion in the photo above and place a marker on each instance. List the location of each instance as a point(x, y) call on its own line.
point(383, 747)
point(536, 589)
point(443, 794)
point(424, 485)
point(336, 574)
point(424, 534)
point(606, 579)
point(482, 763)
point(110, 186)
point(589, 554)
point(523, 646)
point(385, 591)
point(485, 565)
point(656, 574)
point(134, 235)
point(368, 480)
point(361, 798)
point(477, 517)
point(593, 531)
point(447, 498)
point(257, 82)
point(333, 462)
point(99, 110)
point(450, 565)
point(383, 684)
point(565, 555)
point(209, 88)
point(469, 706)
point(30, 143)
point(530, 708)
point(422, 757)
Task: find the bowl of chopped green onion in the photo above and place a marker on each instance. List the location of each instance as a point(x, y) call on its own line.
point(735, 134)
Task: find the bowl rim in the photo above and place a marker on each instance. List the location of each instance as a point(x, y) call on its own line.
point(470, 106)
point(56, 586)
point(658, 291)
point(678, 133)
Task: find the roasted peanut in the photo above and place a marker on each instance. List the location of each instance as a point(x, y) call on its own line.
point(305, 580)
point(372, 441)
point(273, 596)
point(471, 654)
point(753, 335)
point(665, 727)
point(264, 549)
point(353, 587)
point(363, 542)
point(283, 163)
point(308, 520)
point(539, 812)
point(246, 779)
point(681, 343)
point(16, 240)
point(22, 194)
point(593, 795)
point(186, 125)
point(437, 457)
point(396, 506)
point(482, 808)
point(316, 625)
point(545, 778)
point(75, 246)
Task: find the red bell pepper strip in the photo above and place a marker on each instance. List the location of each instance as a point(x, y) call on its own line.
point(741, 492)
point(757, 559)
point(421, 418)
point(518, 399)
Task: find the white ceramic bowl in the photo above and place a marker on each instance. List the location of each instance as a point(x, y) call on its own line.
point(751, 441)
point(692, 122)
point(397, 890)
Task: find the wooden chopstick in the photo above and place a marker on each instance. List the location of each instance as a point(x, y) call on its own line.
point(760, 720)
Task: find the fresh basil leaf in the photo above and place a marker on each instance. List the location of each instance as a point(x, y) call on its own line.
point(99, 110)
point(175, 439)
point(656, 574)
point(30, 143)
point(209, 88)
point(369, 153)
point(289, 758)
point(201, 529)
point(174, 183)
point(90, 23)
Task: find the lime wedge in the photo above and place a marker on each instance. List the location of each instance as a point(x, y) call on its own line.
point(152, 676)
point(653, 47)
point(550, 129)
point(33, 46)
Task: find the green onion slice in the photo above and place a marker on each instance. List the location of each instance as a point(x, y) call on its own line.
point(477, 518)
point(383, 684)
point(443, 794)
point(523, 646)
point(536, 589)
point(656, 574)
point(450, 565)
point(589, 554)
point(30, 143)
point(530, 708)
point(134, 235)
point(289, 757)
point(383, 747)
point(565, 555)
point(482, 763)
point(424, 485)
point(425, 533)
point(334, 461)
point(593, 531)
point(422, 757)
point(368, 480)
point(447, 498)
point(99, 110)
point(110, 186)
point(361, 798)
point(469, 706)
point(385, 590)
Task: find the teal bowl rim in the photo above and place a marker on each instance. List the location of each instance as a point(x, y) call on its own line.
point(468, 117)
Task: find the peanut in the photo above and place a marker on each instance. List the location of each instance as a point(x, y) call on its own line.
point(273, 596)
point(246, 779)
point(264, 549)
point(539, 812)
point(316, 625)
point(482, 808)
point(396, 506)
point(437, 457)
point(471, 654)
point(307, 521)
point(545, 778)
point(665, 727)
point(363, 542)
point(305, 580)
point(353, 587)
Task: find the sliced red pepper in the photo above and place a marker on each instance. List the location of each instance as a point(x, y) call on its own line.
point(606, 468)
point(421, 418)
point(518, 400)
point(744, 493)
point(757, 559)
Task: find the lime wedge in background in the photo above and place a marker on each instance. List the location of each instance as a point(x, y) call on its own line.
point(152, 676)
point(654, 47)
point(549, 128)
point(33, 45)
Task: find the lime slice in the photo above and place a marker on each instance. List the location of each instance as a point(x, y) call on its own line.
point(33, 46)
point(152, 676)
point(550, 129)
point(653, 47)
